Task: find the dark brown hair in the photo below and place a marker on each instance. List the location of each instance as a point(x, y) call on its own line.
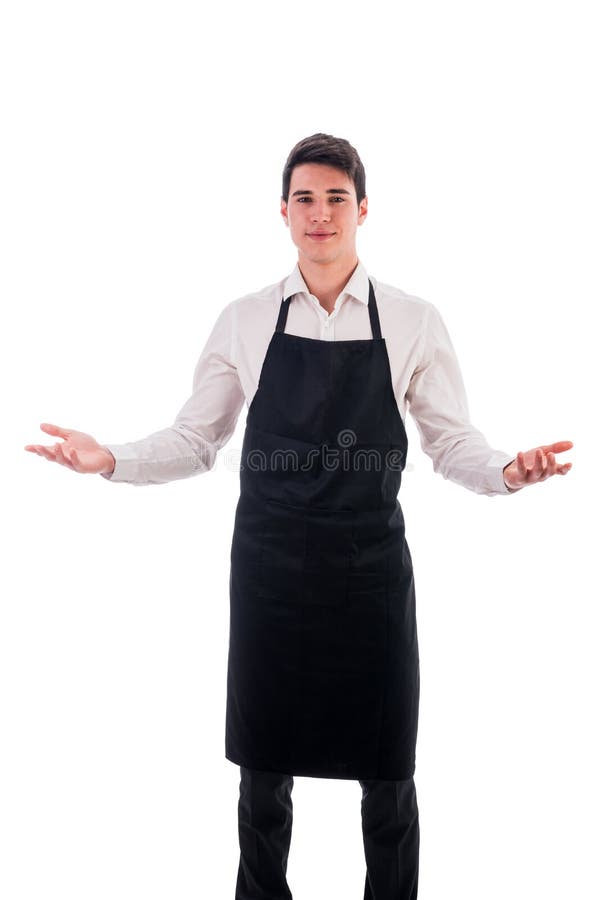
point(328, 151)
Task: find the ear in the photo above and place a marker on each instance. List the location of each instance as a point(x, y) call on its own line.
point(363, 208)
point(284, 211)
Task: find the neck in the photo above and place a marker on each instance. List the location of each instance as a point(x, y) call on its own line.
point(326, 282)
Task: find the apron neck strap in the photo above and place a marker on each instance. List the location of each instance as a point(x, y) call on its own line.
point(283, 312)
point(373, 314)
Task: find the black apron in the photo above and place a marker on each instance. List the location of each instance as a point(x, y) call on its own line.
point(323, 665)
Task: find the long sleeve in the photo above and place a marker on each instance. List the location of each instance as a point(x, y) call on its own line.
point(438, 404)
point(203, 425)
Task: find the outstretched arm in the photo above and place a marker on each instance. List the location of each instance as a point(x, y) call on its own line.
point(536, 465)
point(188, 447)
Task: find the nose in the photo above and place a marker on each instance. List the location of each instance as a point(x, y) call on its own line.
point(320, 211)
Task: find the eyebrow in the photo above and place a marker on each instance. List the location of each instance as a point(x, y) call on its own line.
point(328, 191)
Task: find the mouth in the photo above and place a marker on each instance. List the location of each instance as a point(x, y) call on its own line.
point(320, 235)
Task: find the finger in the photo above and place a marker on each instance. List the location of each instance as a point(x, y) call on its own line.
point(538, 471)
point(35, 448)
point(61, 456)
point(55, 430)
point(558, 447)
point(47, 452)
point(521, 465)
point(551, 465)
point(563, 469)
point(66, 452)
point(75, 461)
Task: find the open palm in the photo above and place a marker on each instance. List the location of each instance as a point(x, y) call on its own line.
point(536, 465)
point(78, 451)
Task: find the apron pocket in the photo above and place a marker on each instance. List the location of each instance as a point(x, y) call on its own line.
point(305, 556)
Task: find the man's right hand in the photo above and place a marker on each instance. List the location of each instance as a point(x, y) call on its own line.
point(79, 451)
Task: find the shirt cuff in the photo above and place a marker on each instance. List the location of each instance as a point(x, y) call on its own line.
point(125, 469)
point(502, 487)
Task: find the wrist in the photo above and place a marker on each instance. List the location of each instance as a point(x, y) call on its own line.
point(509, 487)
point(110, 462)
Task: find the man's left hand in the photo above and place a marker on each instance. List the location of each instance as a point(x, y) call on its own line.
point(535, 465)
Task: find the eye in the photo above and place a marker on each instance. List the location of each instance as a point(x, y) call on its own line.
point(337, 199)
point(304, 199)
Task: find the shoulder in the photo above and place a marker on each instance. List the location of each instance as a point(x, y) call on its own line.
point(249, 320)
point(394, 302)
point(255, 303)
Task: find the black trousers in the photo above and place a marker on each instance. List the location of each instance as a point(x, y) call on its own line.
point(390, 826)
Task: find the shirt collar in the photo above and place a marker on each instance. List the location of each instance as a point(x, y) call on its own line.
point(357, 285)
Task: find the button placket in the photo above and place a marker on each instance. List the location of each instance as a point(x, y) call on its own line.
point(328, 329)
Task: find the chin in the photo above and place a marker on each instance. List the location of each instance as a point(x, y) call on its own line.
point(318, 259)
point(317, 254)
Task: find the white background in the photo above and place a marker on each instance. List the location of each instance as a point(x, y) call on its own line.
point(141, 158)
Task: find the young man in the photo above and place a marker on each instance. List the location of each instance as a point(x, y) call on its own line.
point(323, 670)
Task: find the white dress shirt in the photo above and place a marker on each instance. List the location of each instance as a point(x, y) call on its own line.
point(425, 375)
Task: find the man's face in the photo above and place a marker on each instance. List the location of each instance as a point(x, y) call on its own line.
point(323, 214)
